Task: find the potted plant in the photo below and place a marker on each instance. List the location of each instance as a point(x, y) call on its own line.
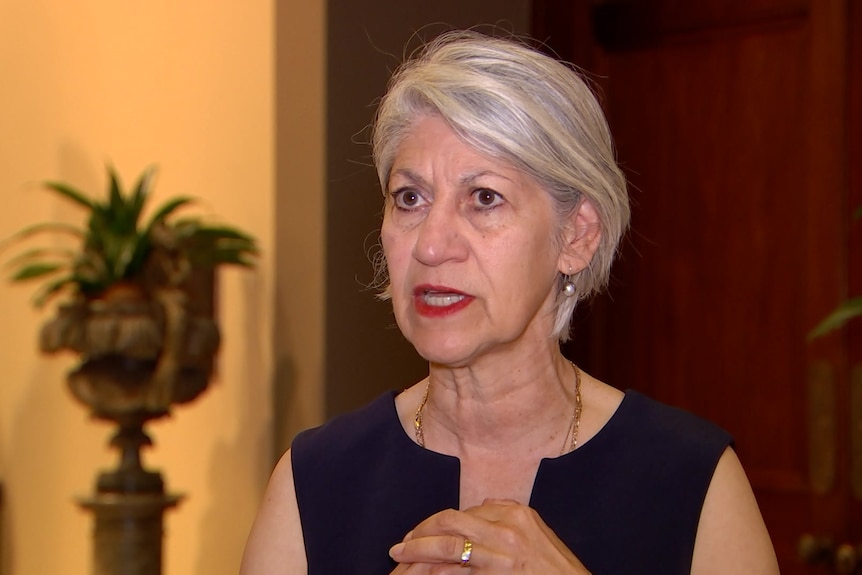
point(845, 311)
point(135, 303)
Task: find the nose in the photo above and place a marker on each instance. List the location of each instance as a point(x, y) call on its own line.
point(440, 238)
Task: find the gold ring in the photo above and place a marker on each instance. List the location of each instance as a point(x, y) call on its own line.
point(466, 553)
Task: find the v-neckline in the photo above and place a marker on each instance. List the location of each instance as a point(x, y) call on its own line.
point(585, 451)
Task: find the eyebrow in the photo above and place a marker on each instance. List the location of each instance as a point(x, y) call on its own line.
point(467, 178)
point(471, 177)
point(408, 174)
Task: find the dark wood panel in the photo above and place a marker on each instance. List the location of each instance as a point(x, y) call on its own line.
point(733, 146)
point(826, 246)
point(713, 231)
point(731, 120)
point(854, 164)
point(625, 24)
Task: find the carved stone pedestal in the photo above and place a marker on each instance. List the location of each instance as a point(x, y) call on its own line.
point(128, 532)
point(130, 500)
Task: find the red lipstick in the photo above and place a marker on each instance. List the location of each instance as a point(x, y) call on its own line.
point(439, 301)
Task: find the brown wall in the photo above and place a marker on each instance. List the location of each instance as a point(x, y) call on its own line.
point(365, 353)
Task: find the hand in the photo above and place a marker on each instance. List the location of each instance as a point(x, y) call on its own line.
point(507, 537)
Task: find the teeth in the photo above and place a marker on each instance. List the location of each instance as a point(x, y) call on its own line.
point(442, 300)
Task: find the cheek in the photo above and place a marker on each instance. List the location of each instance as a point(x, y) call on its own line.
point(394, 251)
point(531, 266)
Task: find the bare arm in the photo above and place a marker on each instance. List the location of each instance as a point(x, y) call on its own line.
point(731, 536)
point(275, 545)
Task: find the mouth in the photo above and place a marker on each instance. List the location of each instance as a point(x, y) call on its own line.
point(439, 300)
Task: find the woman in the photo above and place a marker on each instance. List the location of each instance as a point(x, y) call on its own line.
point(504, 207)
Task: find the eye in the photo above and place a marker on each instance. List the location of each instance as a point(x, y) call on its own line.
point(486, 198)
point(407, 198)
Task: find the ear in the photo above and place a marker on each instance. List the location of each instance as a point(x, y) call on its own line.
point(581, 234)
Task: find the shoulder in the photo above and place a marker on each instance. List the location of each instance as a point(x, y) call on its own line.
point(337, 465)
point(633, 421)
point(655, 454)
point(364, 467)
point(348, 437)
point(731, 534)
point(666, 428)
point(275, 544)
point(313, 475)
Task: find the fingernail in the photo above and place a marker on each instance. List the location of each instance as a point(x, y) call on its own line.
point(396, 550)
point(409, 536)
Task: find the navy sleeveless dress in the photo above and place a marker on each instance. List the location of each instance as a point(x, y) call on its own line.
point(626, 502)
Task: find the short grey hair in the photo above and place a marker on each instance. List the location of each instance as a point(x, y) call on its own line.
point(514, 103)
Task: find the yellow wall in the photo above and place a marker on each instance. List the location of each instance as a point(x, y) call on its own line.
point(190, 86)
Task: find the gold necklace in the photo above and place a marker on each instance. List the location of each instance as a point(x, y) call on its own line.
point(572, 431)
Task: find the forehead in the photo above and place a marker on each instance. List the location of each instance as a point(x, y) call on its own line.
point(430, 145)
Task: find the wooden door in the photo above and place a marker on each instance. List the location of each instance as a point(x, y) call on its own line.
point(854, 339)
point(732, 121)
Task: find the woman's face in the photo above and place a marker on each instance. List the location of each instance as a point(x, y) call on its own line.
point(469, 242)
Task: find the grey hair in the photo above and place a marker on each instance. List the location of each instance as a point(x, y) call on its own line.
point(511, 102)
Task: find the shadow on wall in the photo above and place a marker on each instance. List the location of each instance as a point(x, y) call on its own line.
point(36, 504)
point(224, 520)
point(43, 466)
point(4, 560)
point(286, 419)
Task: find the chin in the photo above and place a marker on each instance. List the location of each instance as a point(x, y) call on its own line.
point(444, 349)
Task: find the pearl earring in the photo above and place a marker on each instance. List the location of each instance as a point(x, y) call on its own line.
point(568, 286)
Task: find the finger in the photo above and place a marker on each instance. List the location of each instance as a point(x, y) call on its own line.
point(450, 522)
point(400, 570)
point(495, 507)
point(505, 511)
point(430, 569)
point(427, 569)
point(504, 502)
point(452, 549)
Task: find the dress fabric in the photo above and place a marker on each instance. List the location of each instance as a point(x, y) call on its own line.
point(625, 502)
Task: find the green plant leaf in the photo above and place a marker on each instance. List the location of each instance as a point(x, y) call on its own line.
point(223, 232)
point(168, 208)
point(122, 263)
point(28, 256)
point(71, 193)
point(184, 230)
point(143, 247)
point(116, 246)
point(35, 229)
point(34, 271)
point(839, 316)
point(116, 211)
point(243, 246)
point(51, 290)
point(140, 194)
point(92, 276)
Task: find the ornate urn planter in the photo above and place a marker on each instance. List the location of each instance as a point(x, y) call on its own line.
point(139, 314)
point(140, 355)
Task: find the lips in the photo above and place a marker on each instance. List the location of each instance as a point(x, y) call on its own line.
point(438, 301)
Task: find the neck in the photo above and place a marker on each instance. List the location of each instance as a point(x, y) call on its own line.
point(493, 406)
